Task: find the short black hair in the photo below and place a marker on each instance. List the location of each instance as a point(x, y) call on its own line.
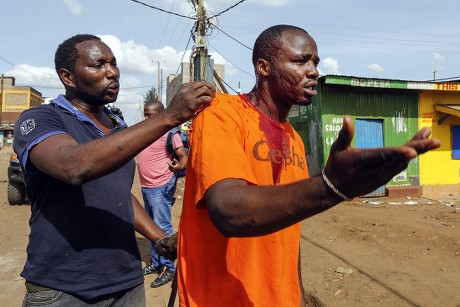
point(269, 41)
point(156, 104)
point(66, 54)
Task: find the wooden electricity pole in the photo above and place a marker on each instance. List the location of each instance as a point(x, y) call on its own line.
point(201, 51)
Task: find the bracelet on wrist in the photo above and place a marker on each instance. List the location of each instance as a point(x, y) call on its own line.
point(333, 188)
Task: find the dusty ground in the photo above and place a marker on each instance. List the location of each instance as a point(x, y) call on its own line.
point(368, 252)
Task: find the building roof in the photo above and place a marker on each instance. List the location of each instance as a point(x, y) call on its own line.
point(391, 83)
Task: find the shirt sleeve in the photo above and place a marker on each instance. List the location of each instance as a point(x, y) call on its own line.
point(217, 150)
point(32, 127)
point(177, 141)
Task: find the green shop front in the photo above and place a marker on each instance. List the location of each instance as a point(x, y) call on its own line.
point(385, 113)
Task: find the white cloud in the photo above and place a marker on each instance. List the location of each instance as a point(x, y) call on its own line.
point(36, 77)
point(137, 61)
point(74, 6)
point(439, 57)
point(134, 58)
point(230, 69)
point(138, 72)
point(375, 67)
point(330, 65)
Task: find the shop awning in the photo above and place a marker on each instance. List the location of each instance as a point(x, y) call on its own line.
point(448, 110)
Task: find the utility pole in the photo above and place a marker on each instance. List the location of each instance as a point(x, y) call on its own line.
point(1, 103)
point(159, 82)
point(200, 58)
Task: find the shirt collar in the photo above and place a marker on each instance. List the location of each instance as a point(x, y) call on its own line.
point(63, 103)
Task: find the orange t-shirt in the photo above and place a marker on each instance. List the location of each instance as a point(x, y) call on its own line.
point(232, 139)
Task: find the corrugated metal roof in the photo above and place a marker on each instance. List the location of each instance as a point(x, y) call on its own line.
point(451, 109)
point(391, 83)
point(401, 80)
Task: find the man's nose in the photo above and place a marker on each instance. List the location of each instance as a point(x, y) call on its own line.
point(113, 71)
point(312, 71)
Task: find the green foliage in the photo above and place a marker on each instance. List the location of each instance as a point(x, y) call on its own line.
point(151, 95)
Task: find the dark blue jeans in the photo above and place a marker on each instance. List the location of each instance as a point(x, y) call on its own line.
point(134, 297)
point(158, 202)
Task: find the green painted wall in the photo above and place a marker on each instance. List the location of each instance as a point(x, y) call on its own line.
point(320, 123)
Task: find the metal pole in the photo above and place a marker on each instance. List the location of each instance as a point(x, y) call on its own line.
point(159, 82)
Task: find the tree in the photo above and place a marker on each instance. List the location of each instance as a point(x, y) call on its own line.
point(151, 95)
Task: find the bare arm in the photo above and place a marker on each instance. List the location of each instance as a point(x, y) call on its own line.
point(239, 210)
point(62, 157)
point(177, 165)
point(144, 224)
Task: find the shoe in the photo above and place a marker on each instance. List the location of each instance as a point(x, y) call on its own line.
point(151, 269)
point(165, 276)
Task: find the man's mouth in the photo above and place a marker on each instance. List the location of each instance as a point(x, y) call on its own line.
point(114, 88)
point(311, 91)
point(310, 88)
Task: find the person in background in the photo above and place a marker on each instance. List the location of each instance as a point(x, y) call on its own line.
point(157, 170)
point(78, 162)
point(248, 187)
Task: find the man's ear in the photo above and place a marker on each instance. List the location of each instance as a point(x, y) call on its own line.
point(263, 67)
point(66, 77)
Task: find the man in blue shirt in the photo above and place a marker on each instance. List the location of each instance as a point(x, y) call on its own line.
point(78, 163)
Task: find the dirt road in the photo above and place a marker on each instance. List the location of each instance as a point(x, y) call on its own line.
point(368, 252)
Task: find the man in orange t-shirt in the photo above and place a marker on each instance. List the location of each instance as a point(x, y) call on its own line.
point(247, 185)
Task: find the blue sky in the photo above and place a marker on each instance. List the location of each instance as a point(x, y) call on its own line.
point(395, 39)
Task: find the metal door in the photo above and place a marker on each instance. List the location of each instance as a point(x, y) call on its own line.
point(369, 134)
point(456, 142)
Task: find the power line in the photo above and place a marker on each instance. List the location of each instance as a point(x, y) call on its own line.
point(185, 50)
point(242, 70)
point(418, 42)
point(453, 79)
point(231, 37)
point(167, 23)
point(226, 10)
point(228, 85)
point(27, 70)
point(41, 86)
point(175, 27)
point(162, 10)
point(368, 46)
point(58, 88)
point(180, 36)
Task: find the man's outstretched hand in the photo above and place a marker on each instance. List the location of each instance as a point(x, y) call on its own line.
point(358, 171)
point(167, 247)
